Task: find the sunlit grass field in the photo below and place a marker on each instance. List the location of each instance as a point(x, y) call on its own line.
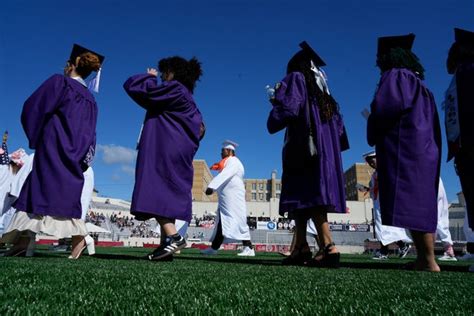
point(120, 281)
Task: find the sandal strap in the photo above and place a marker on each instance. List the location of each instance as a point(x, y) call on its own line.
point(328, 247)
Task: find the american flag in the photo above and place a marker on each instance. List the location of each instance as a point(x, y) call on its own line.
point(4, 159)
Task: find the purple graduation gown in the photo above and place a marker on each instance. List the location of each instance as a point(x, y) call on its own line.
point(168, 143)
point(59, 119)
point(404, 127)
point(308, 182)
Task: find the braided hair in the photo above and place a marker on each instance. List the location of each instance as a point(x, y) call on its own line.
point(328, 106)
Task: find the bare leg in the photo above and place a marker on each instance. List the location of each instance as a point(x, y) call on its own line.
point(320, 219)
point(78, 245)
point(301, 252)
point(167, 225)
point(424, 243)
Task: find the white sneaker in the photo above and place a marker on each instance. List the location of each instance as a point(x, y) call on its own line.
point(209, 252)
point(447, 257)
point(467, 256)
point(380, 256)
point(247, 252)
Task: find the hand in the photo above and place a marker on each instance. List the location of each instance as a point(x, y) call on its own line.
point(209, 191)
point(152, 71)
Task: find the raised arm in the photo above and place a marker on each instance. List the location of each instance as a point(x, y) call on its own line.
point(147, 93)
point(288, 100)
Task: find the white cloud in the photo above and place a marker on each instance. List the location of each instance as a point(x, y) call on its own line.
point(130, 170)
point(113, 154)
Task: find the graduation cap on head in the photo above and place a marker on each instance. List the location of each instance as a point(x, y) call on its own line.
point(463, 37)
point(77, 50)
point(4, 158)
point(312, 54)
point(386, 43)
point(228, 144)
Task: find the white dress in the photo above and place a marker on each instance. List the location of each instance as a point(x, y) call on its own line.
point(6, 178)
point(49, 225)
point(232, 210)
point(87, 190)
point(442, 229)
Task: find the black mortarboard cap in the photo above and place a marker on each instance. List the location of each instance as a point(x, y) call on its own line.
point(312, 54)
point(463, 37)
point(78, 50)
point(386, 43)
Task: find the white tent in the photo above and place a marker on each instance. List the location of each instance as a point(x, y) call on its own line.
point(91, 228)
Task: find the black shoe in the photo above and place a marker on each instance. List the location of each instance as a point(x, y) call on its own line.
point(325, 259)
point(168, 249)
point(297, 257)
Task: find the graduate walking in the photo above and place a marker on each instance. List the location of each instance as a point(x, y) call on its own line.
point(231, 221)
point(404, 128)
point(59, 119)
point(169, 139)
point(312, 178)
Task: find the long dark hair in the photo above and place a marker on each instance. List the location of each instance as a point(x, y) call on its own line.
point(186, 72)
point(401, 58)
point(300, 62)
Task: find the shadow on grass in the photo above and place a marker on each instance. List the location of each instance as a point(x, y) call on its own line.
point(343, 264)
point(375, 265)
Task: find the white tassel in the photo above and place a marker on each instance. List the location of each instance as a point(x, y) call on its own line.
point(320, 77)
point(94, 83)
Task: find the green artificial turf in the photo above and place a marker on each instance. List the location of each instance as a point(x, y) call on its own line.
point(118, 282)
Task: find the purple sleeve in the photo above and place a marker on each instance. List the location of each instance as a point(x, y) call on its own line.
point(40, 106)
point(146, 92)
point(288, 100)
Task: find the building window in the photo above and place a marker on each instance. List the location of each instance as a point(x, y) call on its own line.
point(260, 186)
point(278, 186)
point(254, 196)
point(260, 196)
point(278, 195)
point(254, 186)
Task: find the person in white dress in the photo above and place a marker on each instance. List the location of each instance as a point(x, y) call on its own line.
point(442, 229)
point(385, 234)
point(20, 165)
point(231, 220)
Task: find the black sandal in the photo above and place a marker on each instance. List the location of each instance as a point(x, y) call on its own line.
point(297, 257)
point(326, 259)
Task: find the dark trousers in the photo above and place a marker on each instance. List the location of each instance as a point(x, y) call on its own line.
point(464, 163)
point(219, 239)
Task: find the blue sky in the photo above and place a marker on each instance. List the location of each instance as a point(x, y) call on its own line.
point(243, 45)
